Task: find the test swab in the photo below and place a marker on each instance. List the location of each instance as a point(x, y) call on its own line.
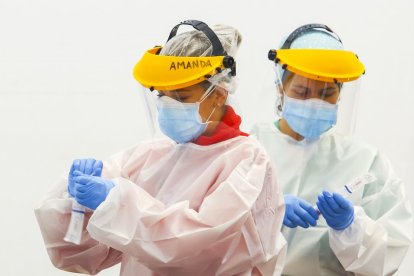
point(348, 189)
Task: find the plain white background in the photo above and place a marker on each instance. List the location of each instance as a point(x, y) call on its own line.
point(66, 88)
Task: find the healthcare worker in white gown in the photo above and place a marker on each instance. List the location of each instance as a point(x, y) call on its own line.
point(202, 201)
point(367, 232)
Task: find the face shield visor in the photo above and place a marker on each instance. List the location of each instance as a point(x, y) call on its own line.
point(317, 89)
point(187, 96)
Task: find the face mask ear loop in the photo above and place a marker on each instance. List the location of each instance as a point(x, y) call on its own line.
point(281, 90)
point(211, 114)
point(207, 93)
point(282, 96)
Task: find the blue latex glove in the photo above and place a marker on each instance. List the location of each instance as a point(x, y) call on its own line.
point(91, 191)
point(85, 166)
point(299, 213)
point(337, 210)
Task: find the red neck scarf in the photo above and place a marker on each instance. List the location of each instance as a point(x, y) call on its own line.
point(228, 128)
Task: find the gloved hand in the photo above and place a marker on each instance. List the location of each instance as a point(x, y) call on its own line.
point(299, 213)
point(91, 191)
point(86, 166)
point(337, 210)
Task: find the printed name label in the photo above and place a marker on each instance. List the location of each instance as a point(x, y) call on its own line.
point(190, 64)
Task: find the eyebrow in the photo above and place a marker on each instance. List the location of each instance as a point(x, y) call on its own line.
point(306, 87)
point(300, 86)
point(182, 95)
point(330, 88)
point(183, 90)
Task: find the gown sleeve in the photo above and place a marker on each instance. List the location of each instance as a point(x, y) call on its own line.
point(53, 216)
point(378, 239)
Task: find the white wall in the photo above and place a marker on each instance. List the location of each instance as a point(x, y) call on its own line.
point(66, 88)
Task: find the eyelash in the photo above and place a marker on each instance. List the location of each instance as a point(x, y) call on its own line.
point(301, 93)
point(329, 94)
point(304, 94)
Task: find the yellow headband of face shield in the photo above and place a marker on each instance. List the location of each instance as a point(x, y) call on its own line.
point(320, 64)
point(174, 72)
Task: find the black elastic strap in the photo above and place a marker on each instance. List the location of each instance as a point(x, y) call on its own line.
point(299, 31)
point(218, 49)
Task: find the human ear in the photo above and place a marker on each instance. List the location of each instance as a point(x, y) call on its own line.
point(220, 96)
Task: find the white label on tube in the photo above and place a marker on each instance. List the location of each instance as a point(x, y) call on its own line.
point(74, 232)
point(359, 182)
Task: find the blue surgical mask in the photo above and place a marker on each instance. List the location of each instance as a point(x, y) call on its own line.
point(309, 118)
point(181, 121)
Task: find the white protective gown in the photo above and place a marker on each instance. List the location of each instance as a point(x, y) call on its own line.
point(176, 210)
point(378, 239)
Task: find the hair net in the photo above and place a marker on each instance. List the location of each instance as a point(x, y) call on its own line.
point(316, 39)
point(196, 44)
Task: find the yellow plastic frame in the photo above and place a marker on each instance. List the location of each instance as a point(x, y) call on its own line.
point(172, 72)
point(321, 64)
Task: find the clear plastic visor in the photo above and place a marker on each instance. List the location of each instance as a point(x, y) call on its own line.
point(318, 104)
point(187, 113)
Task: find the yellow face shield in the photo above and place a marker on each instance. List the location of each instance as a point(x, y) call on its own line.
point(174, 72)
point(320, 64)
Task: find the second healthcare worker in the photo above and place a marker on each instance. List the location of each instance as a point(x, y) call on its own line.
point(365, 224)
